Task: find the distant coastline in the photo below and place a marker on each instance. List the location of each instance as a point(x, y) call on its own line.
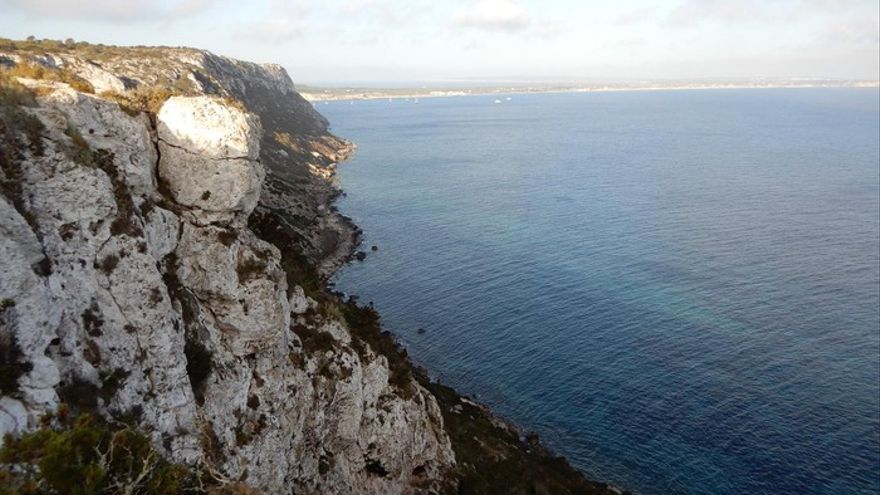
point(319, 94)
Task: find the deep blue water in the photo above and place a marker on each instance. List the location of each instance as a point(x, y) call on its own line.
point(680, 291)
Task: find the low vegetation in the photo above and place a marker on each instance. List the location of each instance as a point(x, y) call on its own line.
point(31, 70)
point(366, 327)
point(20, 133)
point(148, 99)
point(84, 454)
point(492, 458)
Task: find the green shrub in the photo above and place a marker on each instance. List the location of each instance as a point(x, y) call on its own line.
point(85, 455)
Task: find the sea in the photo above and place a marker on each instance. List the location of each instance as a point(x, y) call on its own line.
point(679, 291)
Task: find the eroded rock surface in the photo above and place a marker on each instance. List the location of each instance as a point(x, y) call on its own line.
point(132, 285)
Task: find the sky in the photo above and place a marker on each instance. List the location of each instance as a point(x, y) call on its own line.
point(468, 41)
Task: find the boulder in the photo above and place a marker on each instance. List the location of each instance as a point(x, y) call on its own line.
point(210, 127)
point(208, 159)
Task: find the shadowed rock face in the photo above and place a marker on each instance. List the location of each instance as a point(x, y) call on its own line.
point(136, 287)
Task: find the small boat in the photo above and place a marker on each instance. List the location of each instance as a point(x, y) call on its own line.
point(497, 101)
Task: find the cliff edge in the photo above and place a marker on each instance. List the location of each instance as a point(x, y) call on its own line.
point(167, 231)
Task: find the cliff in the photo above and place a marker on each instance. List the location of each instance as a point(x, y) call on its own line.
point(167, 231)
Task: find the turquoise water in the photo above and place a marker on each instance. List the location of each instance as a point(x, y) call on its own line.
point(680, 291)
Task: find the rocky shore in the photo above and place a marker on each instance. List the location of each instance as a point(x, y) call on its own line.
point(168, 231)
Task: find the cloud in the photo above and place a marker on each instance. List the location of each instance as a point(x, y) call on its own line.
point(693, 12)
point(493, 15)
point(285, 21)
point(644, 14)
point(858, 32)
point(110, 10)
point(551, 29)
point(271, 30)
point(355, 7)
point(377, 11)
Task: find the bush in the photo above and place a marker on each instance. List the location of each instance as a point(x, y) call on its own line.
point(85, 455)
point(36, 71)
point(144, 99)
point(14, 120)
point(89, 456)
point(13, 93)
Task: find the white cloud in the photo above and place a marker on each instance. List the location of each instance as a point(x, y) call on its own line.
point(858, 32)
point(271, 30)
point(354, 7)
point(109, 10)
point(285, 21)
point(641, 15)
point(495, 15)
point(695, 11)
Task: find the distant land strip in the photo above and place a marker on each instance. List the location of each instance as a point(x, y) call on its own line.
point(318, 94)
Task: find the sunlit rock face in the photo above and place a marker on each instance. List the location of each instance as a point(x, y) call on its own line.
point(209, 157)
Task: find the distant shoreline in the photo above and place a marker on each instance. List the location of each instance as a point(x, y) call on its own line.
point(318, 94)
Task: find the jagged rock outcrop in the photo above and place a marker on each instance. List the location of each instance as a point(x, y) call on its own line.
point(132, 285)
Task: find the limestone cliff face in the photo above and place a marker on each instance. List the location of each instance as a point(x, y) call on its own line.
point(131, 282)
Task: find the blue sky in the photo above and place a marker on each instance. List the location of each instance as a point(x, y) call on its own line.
point(552, 40)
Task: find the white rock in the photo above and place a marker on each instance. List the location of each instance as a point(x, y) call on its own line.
point(104, 125)
point(299, 303)
point(13, 416)
point(209, 156)
point(209, 127)
point(99, 78)
point(213, 185)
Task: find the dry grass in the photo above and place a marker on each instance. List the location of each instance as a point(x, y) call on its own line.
point(39, 72)
point(145, 99)
point(286, 140)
